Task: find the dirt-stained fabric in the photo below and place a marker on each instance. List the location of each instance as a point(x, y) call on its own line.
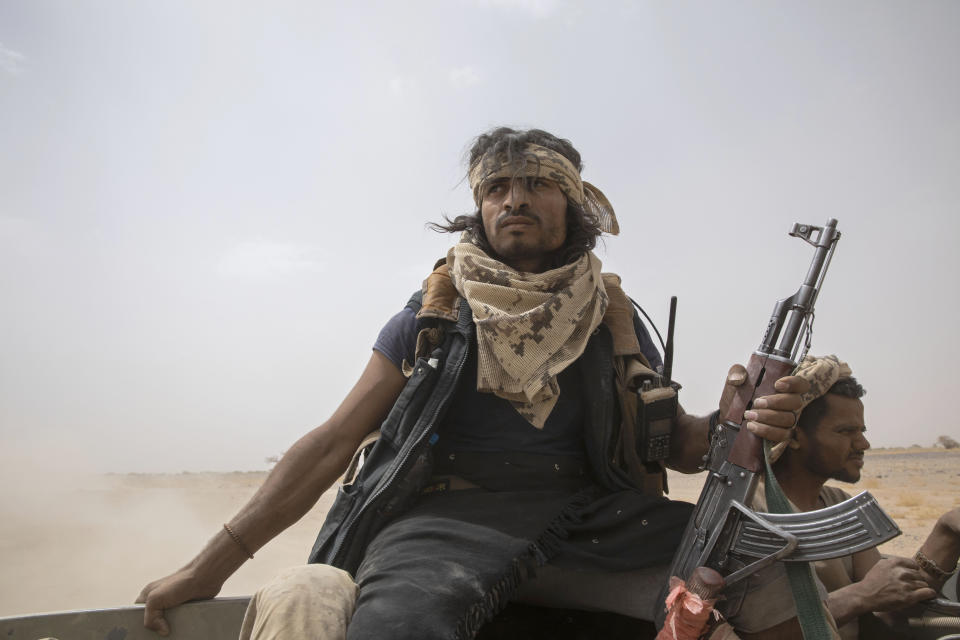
point(309, 601)
point(454, 560)
point(530, 326)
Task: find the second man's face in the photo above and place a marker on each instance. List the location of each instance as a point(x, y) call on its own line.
point(525, 221)
point(835, 448)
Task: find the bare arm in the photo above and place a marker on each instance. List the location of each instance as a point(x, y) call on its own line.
point(942, 547)
point(308, 469)
point(895, 583)
point(892, 583)
point(688, 443)
point(863, 561)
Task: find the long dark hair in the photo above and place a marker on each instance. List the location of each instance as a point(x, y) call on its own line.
point(583, 228)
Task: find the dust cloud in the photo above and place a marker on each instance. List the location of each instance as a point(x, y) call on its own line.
point(76, 540)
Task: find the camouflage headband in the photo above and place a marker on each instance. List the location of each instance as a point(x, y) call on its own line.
point(821, 373)
point(541, 162)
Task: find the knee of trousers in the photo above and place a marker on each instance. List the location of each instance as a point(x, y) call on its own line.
point(405, 613)
point(382, 618)
point(309, 601)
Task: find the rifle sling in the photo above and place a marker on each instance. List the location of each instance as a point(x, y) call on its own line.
point(810, 611)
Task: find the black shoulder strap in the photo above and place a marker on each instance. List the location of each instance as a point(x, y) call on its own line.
point(647, 345)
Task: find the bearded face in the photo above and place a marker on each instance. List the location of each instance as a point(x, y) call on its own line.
point(833, 449)
point(525, 221)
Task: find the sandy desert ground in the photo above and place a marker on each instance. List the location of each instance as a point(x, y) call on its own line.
point(74, 542)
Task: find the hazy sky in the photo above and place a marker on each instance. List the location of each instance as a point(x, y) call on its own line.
point(208, 209)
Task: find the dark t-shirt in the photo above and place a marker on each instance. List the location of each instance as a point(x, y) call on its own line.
point(481, 433)
point(485, 423)
point(398, 338)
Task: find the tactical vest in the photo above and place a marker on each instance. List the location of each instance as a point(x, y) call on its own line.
point(398, 462)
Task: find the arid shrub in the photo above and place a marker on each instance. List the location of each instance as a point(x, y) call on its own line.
point(272, 460)
point(947, 442)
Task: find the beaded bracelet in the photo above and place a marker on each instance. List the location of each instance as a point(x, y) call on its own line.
point(237, 539)
point(931, 567)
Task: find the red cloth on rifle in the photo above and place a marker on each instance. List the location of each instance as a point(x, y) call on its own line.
point(688, 615)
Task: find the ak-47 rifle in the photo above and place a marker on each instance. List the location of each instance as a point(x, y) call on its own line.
point(724, 534)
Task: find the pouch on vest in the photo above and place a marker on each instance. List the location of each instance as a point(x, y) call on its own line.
point(647, 412)
point(656, 411)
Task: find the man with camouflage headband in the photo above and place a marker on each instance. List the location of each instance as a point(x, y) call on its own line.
point(505, 466)
point(828, 443)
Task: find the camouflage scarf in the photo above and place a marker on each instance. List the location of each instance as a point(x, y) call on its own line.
point(821, 373)
point(530, 326)
point(541, 162)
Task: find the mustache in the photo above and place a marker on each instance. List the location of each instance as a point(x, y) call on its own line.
point(507, 216)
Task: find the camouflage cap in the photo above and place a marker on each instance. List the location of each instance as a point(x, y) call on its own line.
point(821, 373)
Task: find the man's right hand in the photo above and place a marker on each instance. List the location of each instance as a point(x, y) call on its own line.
point(166, 593)
point(894, 583)
point(306, 470)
